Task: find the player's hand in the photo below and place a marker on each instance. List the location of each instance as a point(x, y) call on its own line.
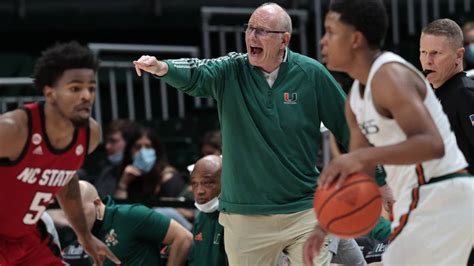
point(97, 250)
point(388, 198)
point(149, 64)
point(312, 246)
point(339, 169)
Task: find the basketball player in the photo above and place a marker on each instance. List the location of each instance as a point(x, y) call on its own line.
point(396, 120)
point(41, 147)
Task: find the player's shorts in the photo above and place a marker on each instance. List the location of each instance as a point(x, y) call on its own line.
point(434, 225)
point(37, 249)
point(371, 248)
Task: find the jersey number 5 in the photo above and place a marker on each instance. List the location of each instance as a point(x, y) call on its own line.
point(37, 207)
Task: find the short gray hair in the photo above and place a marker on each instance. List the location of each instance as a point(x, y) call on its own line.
point(448, 28)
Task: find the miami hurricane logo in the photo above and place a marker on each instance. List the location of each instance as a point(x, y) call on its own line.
point(111, 238)
point(288, 100)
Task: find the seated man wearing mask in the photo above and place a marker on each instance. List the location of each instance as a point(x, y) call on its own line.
point(208, 243)
point(134, 232)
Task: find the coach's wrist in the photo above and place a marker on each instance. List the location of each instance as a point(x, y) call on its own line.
point(161, 69)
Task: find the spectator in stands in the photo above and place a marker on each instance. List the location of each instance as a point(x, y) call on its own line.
point(208, 243)
point(134, 232)
point(145, 171)
point(95, 165)
point(271, 102)
point(116, 134)
point(441, 56)
point(146, 174)
point(468, 32)
point(211, 143)
point(115, 139)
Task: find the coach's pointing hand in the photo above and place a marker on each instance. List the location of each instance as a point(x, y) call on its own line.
point(151, 65)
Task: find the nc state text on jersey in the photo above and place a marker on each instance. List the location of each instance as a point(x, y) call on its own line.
point(47, 177)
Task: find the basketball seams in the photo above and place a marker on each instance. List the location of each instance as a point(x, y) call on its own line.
point(350, 234)
point(353, 212)
point(346, 186)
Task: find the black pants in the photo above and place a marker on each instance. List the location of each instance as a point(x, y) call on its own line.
point(470, 261)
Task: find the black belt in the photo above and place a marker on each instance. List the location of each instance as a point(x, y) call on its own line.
point(460, 173)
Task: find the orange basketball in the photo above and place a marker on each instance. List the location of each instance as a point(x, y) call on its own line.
point(352, 210)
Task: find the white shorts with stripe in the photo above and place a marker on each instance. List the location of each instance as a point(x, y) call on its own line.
point(434, 225)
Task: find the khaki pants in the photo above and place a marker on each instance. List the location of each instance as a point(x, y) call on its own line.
point(260, 239)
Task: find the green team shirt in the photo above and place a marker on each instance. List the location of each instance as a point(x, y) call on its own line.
point(208, 241)
point(381, 231)
point(270, 135)
point(134, 233)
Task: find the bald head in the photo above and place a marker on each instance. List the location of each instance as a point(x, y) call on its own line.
point(210, 164)
point(88, 191)
point(274, 11)
point(91, 203)
point(205, 178)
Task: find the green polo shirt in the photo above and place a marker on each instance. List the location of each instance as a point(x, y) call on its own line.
point(208, 241)
point(134, 233)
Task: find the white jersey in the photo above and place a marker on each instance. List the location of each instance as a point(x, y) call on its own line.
point(383, 131)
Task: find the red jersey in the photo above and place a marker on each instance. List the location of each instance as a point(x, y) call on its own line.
point(28, 184)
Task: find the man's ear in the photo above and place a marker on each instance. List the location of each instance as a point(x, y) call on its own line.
point(460, 56)
point(358, 40)
point(48, 92)
point(286, 39)
point(97, 201)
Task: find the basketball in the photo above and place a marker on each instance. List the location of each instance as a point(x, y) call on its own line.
point(352, 210)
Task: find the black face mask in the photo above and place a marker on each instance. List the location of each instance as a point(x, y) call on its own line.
point(96, 228)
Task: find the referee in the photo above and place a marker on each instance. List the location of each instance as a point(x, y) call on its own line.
point(441, 56)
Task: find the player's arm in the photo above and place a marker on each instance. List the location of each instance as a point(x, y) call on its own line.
point(69, 197)
point(13, 134)
point(399, 93)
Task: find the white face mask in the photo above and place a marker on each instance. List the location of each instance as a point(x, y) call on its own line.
point(208, 207)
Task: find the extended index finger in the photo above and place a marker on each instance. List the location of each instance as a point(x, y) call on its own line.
point(112, 257)
point(137, 69)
